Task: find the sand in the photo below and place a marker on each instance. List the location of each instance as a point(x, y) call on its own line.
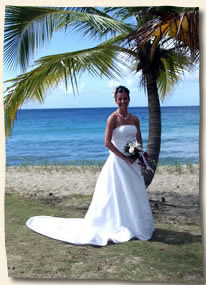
point(174, 191)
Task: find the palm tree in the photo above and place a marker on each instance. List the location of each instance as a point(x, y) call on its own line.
point(160, 63)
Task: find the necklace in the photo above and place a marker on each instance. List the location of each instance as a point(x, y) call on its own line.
point(125, 118)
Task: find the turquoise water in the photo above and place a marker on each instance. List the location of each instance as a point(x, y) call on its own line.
point(77, 135)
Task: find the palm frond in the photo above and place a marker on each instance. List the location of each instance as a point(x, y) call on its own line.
point(171, 70)
point(51, 70)
point(182, 27)
point(93, 25)
point(21, 36)
point(28, 28)
point(166, 80)
point(123, 13)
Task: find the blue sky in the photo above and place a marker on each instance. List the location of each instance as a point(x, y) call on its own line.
point(98, 92)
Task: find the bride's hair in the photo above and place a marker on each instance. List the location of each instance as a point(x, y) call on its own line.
point(121, 89)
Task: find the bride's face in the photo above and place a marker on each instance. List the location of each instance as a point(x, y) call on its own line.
point(122, 100)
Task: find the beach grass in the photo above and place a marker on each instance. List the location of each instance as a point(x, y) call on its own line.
point(173, 255)
point(51, 167)
point(69, 163)
point(96, 166)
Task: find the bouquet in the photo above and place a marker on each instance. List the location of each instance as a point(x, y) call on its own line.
point(135, 151)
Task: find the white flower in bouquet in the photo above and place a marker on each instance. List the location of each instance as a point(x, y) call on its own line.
point(131, 149)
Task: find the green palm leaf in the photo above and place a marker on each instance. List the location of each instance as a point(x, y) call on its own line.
point(51, 70)
point(171, 70)
point(28, 28)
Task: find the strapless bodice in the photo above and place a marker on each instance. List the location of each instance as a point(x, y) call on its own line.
point(122, 135)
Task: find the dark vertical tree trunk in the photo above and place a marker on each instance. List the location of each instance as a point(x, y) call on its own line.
point(154, 137)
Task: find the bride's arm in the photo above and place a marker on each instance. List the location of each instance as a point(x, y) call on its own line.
point(108, 139)
point(138, 136)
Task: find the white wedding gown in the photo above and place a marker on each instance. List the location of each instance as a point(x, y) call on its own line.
point(119, 210)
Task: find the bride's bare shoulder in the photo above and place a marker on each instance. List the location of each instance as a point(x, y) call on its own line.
point(112, 119)
point(134, 119)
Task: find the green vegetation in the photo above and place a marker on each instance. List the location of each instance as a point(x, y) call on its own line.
point(96, 166)
point(173, 255)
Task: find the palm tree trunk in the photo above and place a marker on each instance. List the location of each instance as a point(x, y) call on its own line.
point(154, 137)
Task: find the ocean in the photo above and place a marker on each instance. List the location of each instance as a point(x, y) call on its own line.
point(76, 136)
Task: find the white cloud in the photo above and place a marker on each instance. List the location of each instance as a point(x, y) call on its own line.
point(113, 83)
point(131, 81)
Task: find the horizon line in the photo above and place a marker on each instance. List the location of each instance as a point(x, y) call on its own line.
point(60, 108)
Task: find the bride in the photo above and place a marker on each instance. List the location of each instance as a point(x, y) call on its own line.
point(120, 208)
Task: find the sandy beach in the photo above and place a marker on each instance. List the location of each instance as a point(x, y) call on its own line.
point(174, 190)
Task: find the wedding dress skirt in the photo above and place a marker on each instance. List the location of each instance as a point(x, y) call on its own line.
point(119, 210)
